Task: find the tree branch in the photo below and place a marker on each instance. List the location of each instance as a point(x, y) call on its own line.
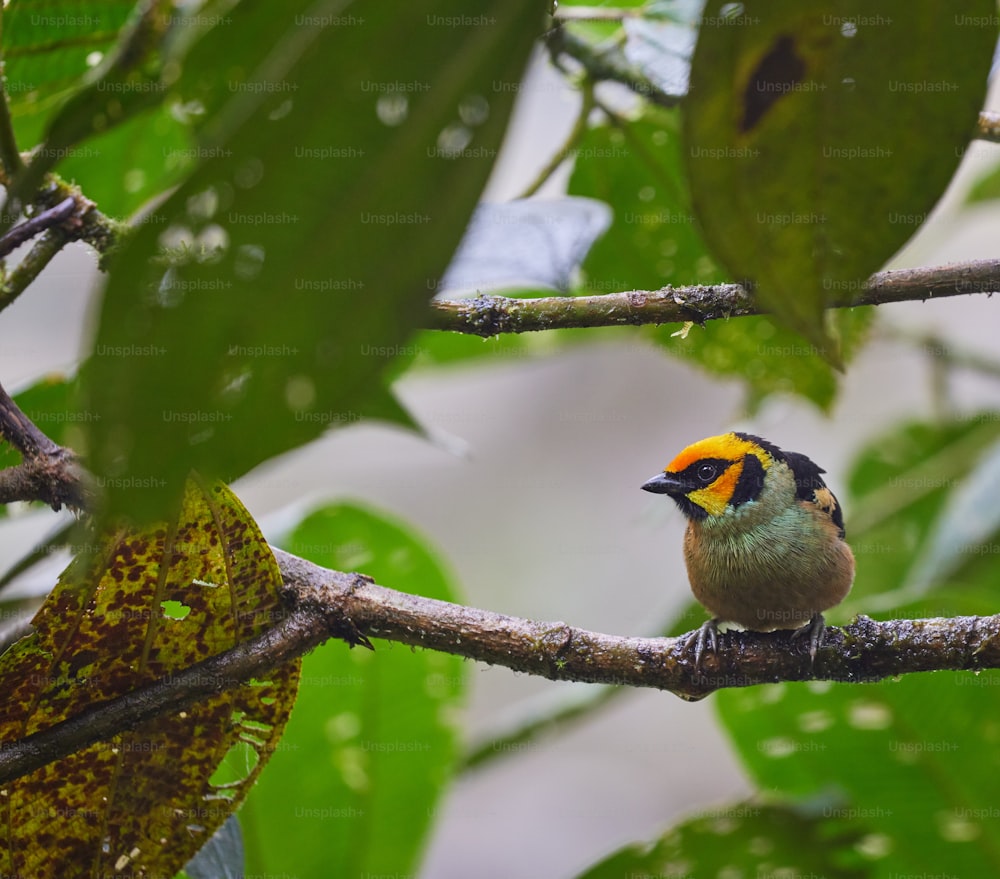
point(491, 315)
point(48, 472)
point(325, 604)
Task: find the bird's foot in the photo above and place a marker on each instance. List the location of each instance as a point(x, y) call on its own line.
point(706, 635)
point(815, 629)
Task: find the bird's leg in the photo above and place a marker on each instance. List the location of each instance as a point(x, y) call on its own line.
point(815, 629)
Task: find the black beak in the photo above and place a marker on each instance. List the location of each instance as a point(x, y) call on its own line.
point(666, 483)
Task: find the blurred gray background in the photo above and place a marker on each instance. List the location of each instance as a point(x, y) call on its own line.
point(569, 536)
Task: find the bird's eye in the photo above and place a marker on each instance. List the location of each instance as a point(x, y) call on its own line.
point(707, 472)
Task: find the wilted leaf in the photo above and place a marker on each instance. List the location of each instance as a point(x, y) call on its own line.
point(143, 605)
point(804, 170)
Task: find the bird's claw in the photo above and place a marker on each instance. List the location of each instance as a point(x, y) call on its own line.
point(706, 635)
point(815, 629)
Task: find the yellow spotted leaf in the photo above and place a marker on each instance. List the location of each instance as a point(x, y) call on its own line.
point(145, 604)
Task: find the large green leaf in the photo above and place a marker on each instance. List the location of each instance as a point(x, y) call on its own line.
point(372, 741)
point(328, 155)
point(917, 759)
point(799, 124)
point(124, 82)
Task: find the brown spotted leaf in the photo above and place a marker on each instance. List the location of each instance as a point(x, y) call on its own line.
point(818, 136)
point(146, 604)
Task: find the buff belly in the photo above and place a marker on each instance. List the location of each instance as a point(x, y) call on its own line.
point(768, 575)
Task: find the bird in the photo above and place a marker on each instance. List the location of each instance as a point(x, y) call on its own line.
point(764, 545)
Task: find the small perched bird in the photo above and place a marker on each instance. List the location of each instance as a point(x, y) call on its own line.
point(764, 545)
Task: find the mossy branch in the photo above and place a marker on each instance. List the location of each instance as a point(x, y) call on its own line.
point(324, 604)
point(491, 315)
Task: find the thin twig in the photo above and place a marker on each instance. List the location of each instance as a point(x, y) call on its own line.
point(607, 64)
point(38, 223)
point(491, 315)
point(327, 604)
point(42, 252)
point(573, 138)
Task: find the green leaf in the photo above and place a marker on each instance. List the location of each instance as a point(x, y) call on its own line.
point(916, 759)
point(637, 168)
point(126, 81)
point(745, 839)
point(986, 187)
point(247, 356)
point(46, 46)
point(767, 357)
point(434, 348)
point(899, 489)
point(133, 610)
point(653, 241)
point(804, 171)
point(967, 527)
point(122, 169)
point(372, 741)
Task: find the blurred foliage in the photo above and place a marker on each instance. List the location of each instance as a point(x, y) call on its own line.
point(745, 839)
point(637, 165)
point(373, 740)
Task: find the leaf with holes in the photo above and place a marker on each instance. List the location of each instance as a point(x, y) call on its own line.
point(144, 605)
point(799, 128)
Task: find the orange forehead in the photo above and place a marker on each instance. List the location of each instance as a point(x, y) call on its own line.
point(727, 446)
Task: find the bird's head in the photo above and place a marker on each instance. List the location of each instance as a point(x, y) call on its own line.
point(716, 474)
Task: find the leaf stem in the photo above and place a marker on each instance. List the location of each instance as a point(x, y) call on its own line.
point(573, 138)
